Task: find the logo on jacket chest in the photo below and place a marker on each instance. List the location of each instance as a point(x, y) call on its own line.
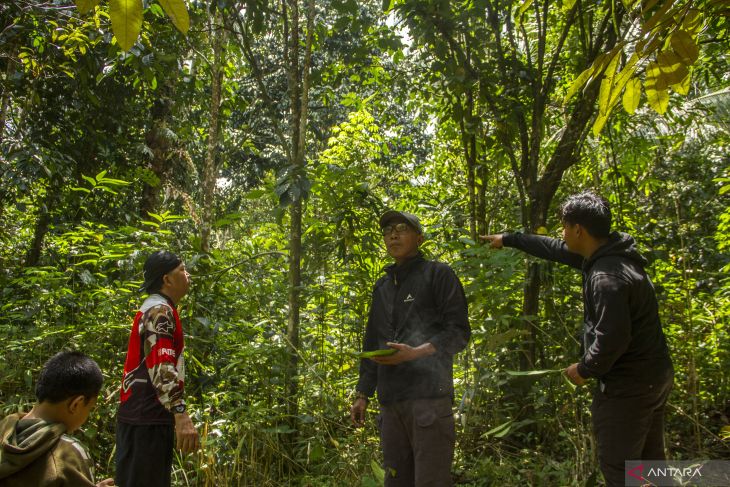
point(409, 298)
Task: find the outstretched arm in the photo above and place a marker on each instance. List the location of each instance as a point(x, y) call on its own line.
point(537, 245)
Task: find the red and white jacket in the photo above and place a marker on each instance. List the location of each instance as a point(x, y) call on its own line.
point(154, 371)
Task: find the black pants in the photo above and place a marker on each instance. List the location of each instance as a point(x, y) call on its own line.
point(628, 422)
point(144, 455)
point(417, 437)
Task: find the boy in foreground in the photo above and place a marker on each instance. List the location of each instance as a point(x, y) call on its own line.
point(36, 450)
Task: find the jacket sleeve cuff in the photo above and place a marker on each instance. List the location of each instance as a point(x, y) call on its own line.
point(366, 389)
point(508, 239)
point(583, 371)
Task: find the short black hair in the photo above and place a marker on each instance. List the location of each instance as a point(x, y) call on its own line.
point(68, 374)
point(589, 210)
point(155, 267)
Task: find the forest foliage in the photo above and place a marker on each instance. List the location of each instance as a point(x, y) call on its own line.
point(261, 140)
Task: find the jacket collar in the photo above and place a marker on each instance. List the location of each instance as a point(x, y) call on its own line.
point(399, 272)
point(618, 244)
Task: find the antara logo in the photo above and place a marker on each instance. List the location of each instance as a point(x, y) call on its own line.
point(637, 473)
point(409, 299)
point(664, 472)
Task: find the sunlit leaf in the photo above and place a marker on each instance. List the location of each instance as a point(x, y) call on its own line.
point(682, 88)
point(693, 21)
point(597, 67)
point(648, 5)
point(606, 85)
point(178, 13)
point(532, 373)
point(657, 99)
point(89, 180)
point(126, 16)
point(599, 123)
point(523, 8)
point(500, 430)
point(684, 46)
point(653, 77)
point(86, 6)
point(660, 15)
point(622, 79)
point(632, 95)
point(377, 471)
point(672, 69)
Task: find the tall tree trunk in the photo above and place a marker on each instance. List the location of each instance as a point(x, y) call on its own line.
point(481, 212)
point(5, 98)
point(299, 82)
point(293, 144)
point(158, 141)
point(468, 139)
point(210, 168)
point(33, 255)
point(541, 189)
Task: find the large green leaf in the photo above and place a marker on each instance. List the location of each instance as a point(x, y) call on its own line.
point(660, 16)
point(532, 373)
point(126, 18)
point(501, 430)
point(684, 46)
point(632, 95)
point(682, 88)
point(175, 9)
point(673, 71)
point(656, 89)
point(595, 69)
point(622, 80)
point(523, 8)
point(86, 6)
point(599, 123)
point(605, 92)
point(629, 4)
point(693, 22)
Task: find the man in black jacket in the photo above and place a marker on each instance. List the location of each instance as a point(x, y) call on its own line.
point(624, 347)
point(419, 309)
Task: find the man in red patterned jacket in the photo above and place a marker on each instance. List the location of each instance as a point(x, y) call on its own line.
point(152, 416)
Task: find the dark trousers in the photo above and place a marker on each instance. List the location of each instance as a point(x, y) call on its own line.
point(628, 422)
point(144, 455)
point(417, 437)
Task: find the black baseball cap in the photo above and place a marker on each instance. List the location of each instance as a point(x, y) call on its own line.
point(410, 218)
point(157, 265)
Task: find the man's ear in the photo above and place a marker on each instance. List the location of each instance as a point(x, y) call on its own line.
point(76, 402)
point(420, 239)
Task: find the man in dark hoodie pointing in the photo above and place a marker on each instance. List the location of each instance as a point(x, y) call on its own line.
point(624, 348)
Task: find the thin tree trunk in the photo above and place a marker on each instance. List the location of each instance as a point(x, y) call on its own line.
point(5, 101)
point(481, 211)
point(33, 256)
point(158, 143)
point(210, 169)
point(299, 82)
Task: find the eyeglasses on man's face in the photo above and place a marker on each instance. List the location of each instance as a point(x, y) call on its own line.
point(397, 228)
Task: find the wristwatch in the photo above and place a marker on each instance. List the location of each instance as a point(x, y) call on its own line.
point(361, 395)
point(180, 408)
